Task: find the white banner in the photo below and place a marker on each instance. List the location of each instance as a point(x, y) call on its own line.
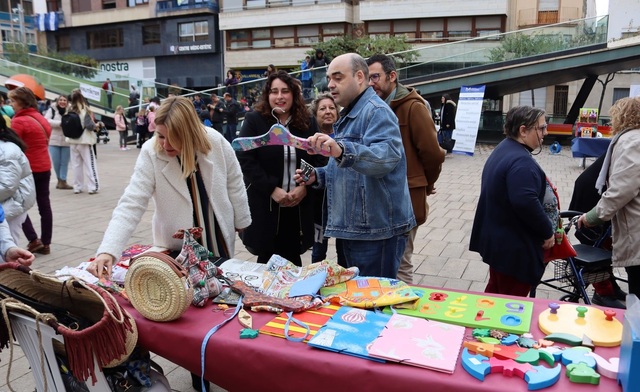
point(468, 119)
point(90, 92)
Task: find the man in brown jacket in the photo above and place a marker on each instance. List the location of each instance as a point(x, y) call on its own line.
point(419, 137)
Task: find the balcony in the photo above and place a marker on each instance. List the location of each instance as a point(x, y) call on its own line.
point(164, 6)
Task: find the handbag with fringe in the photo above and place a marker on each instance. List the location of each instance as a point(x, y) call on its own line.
point(99, 326)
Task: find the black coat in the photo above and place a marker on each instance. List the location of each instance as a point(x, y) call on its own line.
point(263, 170)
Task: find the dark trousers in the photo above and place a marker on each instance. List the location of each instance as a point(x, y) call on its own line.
point(41, 180)
point(633, 277)
point(218, 127)
point(231, 131)
point(500, 283)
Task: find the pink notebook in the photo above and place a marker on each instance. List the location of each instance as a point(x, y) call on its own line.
point(419, 342)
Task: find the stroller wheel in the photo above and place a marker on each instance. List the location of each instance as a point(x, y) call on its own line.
point(570, 298)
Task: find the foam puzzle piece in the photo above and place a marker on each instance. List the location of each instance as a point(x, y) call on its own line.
point(542, 377)
point(536, 377)
point(575, 355)
point(494, 350)
point(247, 333)
point(480, 332)
point(606, 368)
point(530, 356)
point(488, 339)
point(554, 351)
point(509, 340)
point(547, 357)
point(566, 338)
point(475, 364)
point(580, 373)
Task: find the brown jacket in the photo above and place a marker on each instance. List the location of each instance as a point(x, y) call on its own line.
point(424, 155)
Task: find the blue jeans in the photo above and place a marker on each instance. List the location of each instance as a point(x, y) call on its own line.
point(231, 131)
point(60, 158)
point(375, 258)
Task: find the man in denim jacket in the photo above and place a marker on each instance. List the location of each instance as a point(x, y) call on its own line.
point(369, 208)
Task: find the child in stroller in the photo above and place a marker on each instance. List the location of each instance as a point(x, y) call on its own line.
point(103, 132)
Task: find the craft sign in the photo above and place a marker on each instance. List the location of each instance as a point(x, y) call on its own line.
point(469, 310)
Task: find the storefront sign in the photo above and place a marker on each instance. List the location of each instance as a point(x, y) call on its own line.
point(468, 119)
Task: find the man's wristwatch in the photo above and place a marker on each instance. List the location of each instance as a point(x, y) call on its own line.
point(341, 151)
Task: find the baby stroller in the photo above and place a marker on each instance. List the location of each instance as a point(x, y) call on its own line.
point(592, 264)
point(103, 133)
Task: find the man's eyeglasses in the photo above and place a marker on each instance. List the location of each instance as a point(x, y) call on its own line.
point(374, 77)
point(542, 128)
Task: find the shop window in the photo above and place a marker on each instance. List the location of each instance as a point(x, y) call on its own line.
point(151, 34)
point(113, 38)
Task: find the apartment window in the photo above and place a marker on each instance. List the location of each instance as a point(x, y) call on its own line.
point(63, 43)
point(193, 31)
point(308, 35)
point(284, 37)
point(548, 11)
point(239, 39)
point(261, 38)
point(105, 39)
point(488, 25)
point(54, 5)
point(379, 28)
point(431, 29)
point(619, 93)
point(560, 100)
point(332, 30)
point(405, 27)
point(151, 34)
point(108, 4)
point(459, 27)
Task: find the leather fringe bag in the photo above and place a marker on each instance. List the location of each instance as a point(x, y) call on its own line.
point(99, 326)
point(562, 249)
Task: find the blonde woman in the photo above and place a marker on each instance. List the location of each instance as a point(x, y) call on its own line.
point(83, 158)
point(183, 155)
point(121, 127)
point(620, 202)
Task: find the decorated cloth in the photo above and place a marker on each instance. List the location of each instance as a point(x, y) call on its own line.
point(203, 273)
point(369, 292)
point(284, 280)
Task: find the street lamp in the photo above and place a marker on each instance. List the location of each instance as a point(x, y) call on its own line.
point(20, 19)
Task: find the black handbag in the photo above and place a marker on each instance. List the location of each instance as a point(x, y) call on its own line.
point(448, 144)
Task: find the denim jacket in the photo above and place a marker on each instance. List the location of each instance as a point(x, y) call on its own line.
point(367, 191)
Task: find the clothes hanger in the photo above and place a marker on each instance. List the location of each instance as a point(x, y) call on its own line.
point(278, 135)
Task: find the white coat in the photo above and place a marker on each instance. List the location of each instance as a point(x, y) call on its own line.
point(17, 188)
point(160, 177)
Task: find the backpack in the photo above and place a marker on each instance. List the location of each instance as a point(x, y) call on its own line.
point(141, 121)
point(72, 125)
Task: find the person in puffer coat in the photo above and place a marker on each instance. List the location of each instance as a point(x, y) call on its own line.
point(17, 189)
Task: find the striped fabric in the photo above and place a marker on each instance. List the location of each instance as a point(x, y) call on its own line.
point(204, 217)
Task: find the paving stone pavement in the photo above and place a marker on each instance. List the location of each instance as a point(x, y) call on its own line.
point(441, 256)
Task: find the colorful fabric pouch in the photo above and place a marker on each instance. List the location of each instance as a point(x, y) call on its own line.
point(369, 292)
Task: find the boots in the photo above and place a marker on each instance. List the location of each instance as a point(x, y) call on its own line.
point(62, 184)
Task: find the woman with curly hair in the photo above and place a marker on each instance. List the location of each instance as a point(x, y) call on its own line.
point(282, 211)
point(620, 202)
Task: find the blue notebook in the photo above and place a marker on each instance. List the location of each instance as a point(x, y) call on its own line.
point(350, 331)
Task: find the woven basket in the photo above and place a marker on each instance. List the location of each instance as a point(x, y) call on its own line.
point(111, 336)
point(158, 286)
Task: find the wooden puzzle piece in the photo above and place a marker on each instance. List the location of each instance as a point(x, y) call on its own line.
point(278, 135)
point(576, 355)
point(606, 368)
point(602, 328)
point(580, 373)
point(245, 319)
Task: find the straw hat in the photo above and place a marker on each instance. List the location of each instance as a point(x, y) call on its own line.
point(158, 286)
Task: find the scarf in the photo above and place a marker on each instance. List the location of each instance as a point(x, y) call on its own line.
point(604, 172)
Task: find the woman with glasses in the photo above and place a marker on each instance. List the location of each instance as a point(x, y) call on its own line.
point(281, 210)
point(511, 226)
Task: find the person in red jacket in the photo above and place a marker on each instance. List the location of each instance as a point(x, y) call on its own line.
point(35, 131)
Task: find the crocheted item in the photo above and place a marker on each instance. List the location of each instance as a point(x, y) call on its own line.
point(203, 273)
